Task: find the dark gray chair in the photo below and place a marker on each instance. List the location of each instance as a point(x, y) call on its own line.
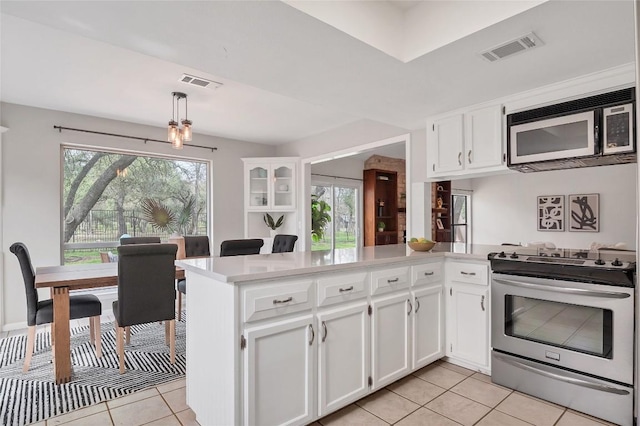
point(41, 311)
point(139, 240)
point(241, 247)
point(146, 292)
point(283, 243)
point(194, 246)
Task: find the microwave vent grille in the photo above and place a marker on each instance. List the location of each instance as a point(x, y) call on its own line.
point(511, 47)
point(598, 160)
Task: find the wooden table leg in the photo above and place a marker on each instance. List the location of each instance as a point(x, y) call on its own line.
point(61, 335)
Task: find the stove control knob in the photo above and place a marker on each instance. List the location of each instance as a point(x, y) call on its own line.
point(599, 261)
point(616, 262)
point(502, 254)
point(514, 255)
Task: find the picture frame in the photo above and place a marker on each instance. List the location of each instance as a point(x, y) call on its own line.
point(550, 213)
point(584, 212)
point(439, 223)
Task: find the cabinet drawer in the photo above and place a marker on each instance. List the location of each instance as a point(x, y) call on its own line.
point(472, 273)
point(271, 301)
point(428, 273)
point(341, 288)
point(389, 280)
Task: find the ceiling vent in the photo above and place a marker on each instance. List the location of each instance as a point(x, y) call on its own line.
point(200, 82)
point(526, 42)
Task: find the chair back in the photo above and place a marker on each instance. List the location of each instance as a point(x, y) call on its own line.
point(146, 276)
point(241, 247)
point(29, 277)
point(139, 240)
point(283, 243)
point(196, 245)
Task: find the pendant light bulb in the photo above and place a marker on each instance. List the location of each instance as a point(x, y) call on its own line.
point(186, 130)
point(172, 131)
point(177, 142)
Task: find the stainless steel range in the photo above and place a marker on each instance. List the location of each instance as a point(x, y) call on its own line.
point(563, 329)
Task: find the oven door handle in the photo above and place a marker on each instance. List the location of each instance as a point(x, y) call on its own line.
point(540, 369)
point(568, 290)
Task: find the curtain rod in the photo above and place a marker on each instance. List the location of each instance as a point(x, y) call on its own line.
point(61, 128)
point(335, 177)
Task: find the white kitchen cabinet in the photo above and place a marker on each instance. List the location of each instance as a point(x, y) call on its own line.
point(466, 142)
point(279, 372)
point(427, 326)
point(270, 184)
point(468, 324)
point(343, 356)
point(390, 346)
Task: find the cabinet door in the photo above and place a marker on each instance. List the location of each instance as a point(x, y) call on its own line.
point(446, 145)
point(258, 187)
point(428, 326)
point(468, 330)
point(390, 338)
point(278, 373)
point(284, 186)
point(483, 137)
point(343, 356)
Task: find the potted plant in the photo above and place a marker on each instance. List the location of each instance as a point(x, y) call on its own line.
point(320, 217)
point(271, 224)
point(381, 226)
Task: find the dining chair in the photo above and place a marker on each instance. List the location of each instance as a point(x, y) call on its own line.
point(139, 240)
point(146, 292)
point(241, 247)
point(283, 243)
point(194, 246)
point(41, 311)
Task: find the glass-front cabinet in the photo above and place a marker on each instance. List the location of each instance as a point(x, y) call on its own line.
point(270, 184)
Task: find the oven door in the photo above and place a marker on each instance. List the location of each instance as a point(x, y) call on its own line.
point(580, 326)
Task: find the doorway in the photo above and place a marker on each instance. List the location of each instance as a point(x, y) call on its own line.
point(335, 215)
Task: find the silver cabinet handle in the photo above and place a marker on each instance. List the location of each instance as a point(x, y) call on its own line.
point(287, 300)
point(434, 167)
point(427, 274)
point(313, 334)
point(471, 274)
point(417, 305)
point(579, 291)
point(410, 307)
point(395, 280)
point(482, 303)
point(460, 159)
point(342, 290)
point(469, 156)
point(324, 329)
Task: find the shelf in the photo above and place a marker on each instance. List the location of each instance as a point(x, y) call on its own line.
point(258, 178)
point(402, 209)
point(384, 217)
point(283, 192)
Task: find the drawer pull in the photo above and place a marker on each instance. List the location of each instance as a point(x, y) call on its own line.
point(471, 274)
point(428, 274)
point(395, 280)
point(324, 328)
point(287, 300)
point(342, 290)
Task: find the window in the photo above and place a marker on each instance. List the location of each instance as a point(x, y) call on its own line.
point(108, 194)
point(335, 215)
point(460, 223)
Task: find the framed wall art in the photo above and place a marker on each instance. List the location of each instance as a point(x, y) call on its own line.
point(551, 213)
point(584, 212)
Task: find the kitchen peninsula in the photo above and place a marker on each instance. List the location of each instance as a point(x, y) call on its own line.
point(291, 337)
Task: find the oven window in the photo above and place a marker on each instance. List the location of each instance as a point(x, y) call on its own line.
point(580, 328)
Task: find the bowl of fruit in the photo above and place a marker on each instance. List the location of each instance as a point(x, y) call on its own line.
point(421, 244)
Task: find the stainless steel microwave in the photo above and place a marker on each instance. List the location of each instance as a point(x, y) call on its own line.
point(591, 131)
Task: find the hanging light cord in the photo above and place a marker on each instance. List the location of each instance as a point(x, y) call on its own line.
point(61, 128)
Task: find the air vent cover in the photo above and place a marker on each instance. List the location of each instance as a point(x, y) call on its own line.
point(199, 81)
point(526, 42)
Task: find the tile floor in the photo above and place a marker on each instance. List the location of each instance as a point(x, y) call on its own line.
point(440, 394)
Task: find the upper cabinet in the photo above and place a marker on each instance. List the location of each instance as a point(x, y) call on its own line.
point(466, 142)
point(270, 184)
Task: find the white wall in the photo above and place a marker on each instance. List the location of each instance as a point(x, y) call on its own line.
point(31, 167)
point(504, 207)
point(342, 167)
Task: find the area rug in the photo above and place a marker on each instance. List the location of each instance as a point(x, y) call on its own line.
point(33, 396)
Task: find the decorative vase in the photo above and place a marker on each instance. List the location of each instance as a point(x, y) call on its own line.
point(273, 232)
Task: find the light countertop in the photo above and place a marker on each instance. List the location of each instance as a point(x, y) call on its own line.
point(238, 269)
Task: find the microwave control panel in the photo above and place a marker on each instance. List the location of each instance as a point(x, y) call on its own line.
point(618, 129)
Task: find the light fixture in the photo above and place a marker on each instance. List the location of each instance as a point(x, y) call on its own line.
point(175, 134)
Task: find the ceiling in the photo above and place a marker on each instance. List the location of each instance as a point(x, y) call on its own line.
point(285, 74)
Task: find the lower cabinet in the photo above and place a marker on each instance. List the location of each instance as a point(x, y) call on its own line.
point(468, 323)
point(427, 326)
point(390, 325)
point(343, 356)
point(278, 372)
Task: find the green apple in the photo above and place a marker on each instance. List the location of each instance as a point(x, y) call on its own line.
point(413, 240)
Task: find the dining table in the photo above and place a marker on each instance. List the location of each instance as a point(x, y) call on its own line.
point(62, 280)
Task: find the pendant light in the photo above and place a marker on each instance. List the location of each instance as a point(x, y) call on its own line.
point(175, 134)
